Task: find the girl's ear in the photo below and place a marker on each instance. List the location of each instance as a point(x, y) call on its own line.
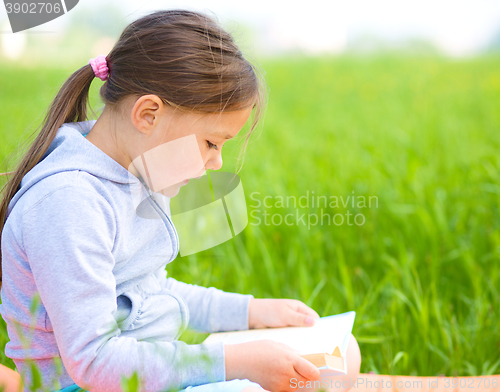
point(146, 113)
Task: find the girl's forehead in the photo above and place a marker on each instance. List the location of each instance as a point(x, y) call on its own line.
point(222, 124)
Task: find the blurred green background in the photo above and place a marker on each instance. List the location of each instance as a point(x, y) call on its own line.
point(421, 133)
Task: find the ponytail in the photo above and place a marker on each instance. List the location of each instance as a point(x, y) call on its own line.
point(69, 105)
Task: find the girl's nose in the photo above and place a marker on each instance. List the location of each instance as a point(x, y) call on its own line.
point(214, 163)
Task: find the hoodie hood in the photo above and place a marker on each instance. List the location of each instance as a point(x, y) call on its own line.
point(71, 151)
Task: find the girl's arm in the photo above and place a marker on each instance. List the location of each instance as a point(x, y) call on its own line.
point(210, 309)
point(68, 237)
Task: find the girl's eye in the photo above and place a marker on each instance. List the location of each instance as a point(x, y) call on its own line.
point(211, 145)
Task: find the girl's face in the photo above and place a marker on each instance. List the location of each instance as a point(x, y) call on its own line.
point(174, 147)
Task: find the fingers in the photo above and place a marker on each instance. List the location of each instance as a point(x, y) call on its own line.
point(302, 315)
point(303, 308)
point(306, 369)
point(301, 319)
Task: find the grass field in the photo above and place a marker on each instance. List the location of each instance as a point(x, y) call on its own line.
point(420, 266)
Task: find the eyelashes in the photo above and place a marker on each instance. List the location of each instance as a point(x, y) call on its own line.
point(211, 145)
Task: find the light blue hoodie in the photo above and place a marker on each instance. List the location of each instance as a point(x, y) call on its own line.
point(106, 306)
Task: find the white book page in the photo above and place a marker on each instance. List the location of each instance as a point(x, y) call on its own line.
point(327, 333)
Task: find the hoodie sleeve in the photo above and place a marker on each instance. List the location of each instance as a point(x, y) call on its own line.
point(68, 237)
point(210, 309)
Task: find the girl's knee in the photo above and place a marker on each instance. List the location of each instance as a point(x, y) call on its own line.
point(353, 357)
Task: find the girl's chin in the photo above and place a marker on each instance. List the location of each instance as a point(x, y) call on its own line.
point(173, 190)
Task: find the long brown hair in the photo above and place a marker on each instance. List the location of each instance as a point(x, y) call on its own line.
point(183, 57)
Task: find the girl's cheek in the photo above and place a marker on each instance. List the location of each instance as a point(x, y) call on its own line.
point(203, 150)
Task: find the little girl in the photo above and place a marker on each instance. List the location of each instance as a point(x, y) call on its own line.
point(71, 235)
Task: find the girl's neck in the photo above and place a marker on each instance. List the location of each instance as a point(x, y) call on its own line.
point(105, 136)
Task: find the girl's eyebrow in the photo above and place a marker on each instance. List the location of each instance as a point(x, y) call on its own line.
point(222, 135)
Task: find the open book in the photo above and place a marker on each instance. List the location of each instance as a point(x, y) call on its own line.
point(324, 344)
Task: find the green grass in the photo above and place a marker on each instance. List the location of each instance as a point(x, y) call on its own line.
point(422, 135)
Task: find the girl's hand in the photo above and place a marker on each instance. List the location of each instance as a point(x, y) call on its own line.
point(274, 365)
point(268, 312)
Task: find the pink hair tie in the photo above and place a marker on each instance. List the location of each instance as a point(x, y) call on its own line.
point(100, 66)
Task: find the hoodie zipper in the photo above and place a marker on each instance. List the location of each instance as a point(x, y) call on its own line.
point(166, 216)
point(170, 222)
point(182, 303)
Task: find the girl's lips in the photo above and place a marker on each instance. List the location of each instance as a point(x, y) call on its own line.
point(187, 179)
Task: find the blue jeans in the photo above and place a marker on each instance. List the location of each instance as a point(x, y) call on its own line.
point(71, 388)
point(236, 385)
